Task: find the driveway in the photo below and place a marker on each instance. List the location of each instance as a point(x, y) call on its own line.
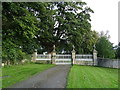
point(52, 78)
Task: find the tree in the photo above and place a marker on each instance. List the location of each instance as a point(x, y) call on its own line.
point(118, 51)
point(29, 26)
point(67, 25)
point(105, 47)
point(19, 26)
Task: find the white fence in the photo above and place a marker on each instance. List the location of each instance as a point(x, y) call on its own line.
point(66, 58)
point(63, 59)
point(43, 57)
point(84, 57)
point(73, 58)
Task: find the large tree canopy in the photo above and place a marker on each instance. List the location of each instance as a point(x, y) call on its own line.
point(28, 26)
point(68, 25)
point(19, 26)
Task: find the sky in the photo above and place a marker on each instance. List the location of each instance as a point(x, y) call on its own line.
point(105, 17)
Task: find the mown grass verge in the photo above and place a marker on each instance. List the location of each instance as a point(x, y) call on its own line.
point(92, 77)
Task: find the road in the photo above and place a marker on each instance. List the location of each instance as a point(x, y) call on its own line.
point(52, 78)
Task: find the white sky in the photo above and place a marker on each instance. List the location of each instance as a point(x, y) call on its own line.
point(105, 17)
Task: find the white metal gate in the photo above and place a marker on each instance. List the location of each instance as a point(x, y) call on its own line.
point(83, 59)
point(42, 57)
point(63, 59)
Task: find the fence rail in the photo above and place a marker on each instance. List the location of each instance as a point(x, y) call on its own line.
point(66, 58)
point(72, 58)
point(63, 59)
point(83, 57)
point(79, 59)
point(43, 57)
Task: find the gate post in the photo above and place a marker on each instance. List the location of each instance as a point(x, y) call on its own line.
point(53, 55)
point(94, 57)
point(34, 55)
point(73, 56)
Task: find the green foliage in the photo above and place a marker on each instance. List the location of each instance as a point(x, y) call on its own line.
point(19, 29)
point(37, 25)
point(19, 25)
point(105, 48)
point(118, 51)
point(69, 25)
point(12, 54)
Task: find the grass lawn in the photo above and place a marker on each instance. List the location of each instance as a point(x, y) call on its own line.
point(92, 77)
point(13, 74)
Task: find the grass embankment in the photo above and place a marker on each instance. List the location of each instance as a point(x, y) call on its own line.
point(13, 74)
point(92, 77)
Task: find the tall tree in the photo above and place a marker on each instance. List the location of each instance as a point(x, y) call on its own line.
point(68, 25)
point(19, 26)
point(105, 47)
point(29, 26)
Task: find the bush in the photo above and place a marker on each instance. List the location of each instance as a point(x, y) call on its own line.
point(15, 56)
point(43, 62)
point(105, 48)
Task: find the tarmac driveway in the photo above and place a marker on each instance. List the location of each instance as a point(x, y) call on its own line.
point(52, 78)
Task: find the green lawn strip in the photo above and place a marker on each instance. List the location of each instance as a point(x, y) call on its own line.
point(99, 78)
point(92, 77)
point(14, 74)
point(110, 76)
point(87, 79)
